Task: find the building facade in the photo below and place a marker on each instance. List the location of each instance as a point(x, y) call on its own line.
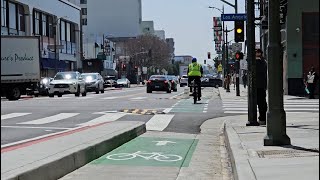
point(147, 27)
point(160, 34)
point(55, 21)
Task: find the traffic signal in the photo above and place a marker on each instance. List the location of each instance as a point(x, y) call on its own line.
point(239, 55)
point(209, 55)
point(123, 67)
point(239, 31)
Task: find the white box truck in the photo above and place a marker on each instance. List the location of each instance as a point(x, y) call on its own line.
point(20, 65)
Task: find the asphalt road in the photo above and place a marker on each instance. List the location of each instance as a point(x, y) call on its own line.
point(31, 118)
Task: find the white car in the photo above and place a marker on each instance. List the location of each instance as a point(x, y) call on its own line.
point(67, 83)
point(94, 82)
point(183, 80)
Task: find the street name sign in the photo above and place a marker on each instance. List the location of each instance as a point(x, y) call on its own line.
point(233, 17)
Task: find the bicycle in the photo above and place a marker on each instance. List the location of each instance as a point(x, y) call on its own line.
point(145, 155)
point(195, 91)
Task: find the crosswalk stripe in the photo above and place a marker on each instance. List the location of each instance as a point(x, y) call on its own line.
point(114, 97)
point(108, 117)
point(159, 122)
point(13, 115)
point(51, 119)
point(138, 98)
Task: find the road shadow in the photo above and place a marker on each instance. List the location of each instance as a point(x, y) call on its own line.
point(301, 148)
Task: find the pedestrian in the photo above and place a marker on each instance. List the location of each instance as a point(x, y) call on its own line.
point(234, 79)
point(244, 79)
point(261, 84)
point(311, 82)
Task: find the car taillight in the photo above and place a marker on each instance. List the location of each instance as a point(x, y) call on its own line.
point(172, 81)
point(166, 82)
point(149, 81)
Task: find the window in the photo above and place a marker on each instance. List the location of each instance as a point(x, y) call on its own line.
point(50, 26)
point(84, 11)
point(84, 21)
point(36, 24)
point(83, 1)
point(68, 32)
point(4, 13)
point(72, 33)
point(44, 25)
point(12, 16)
point(62, 30)
point(21, 16)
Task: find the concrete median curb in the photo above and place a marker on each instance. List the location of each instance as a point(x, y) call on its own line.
point(69, 160)
point(241, 167)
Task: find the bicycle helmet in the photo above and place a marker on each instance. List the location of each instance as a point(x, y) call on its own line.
point(194, 59)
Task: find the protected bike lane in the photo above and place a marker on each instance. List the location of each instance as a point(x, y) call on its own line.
point(161, 155)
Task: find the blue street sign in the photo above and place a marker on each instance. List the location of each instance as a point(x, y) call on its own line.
point(233, 17)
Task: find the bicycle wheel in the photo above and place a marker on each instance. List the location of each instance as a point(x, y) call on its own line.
point(168, 158)
point(195, 93)
point(121, 156)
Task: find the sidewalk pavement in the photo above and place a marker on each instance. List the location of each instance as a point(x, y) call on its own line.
point(251, 160)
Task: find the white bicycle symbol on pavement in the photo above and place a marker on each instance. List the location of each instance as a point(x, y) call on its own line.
point(145, 155)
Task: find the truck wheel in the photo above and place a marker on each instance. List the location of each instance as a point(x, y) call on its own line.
point(14, 94)
point(97, 90)
point(84, 93)
point(59, 95)
point(51, 95)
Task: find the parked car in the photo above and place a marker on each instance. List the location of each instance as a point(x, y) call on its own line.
point(158, 83)
point(67, 83)
point(183, 80)
point(110, 81)
point(174, 82)
point(94, 82)
point(124, 82)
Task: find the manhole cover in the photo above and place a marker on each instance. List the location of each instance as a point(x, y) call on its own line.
point(288, 153)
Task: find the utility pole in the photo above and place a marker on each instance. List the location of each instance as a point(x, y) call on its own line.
point(55, 43)
point(252, 88)
point(227, 61)
point(276, 116)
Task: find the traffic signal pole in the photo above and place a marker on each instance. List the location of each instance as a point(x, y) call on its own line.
point(227, 61)
point(252, 88)
point(276, 116)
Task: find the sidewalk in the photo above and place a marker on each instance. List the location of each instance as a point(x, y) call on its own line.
point(251, 160)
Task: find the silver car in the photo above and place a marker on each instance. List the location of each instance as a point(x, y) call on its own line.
point(183, 80)
point(94, 82)
point(124, 82)
point(67, 83)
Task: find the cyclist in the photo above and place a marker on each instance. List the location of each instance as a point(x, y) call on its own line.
point(195, 72)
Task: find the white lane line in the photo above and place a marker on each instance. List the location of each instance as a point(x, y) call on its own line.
point(51, 119)
point(138, 98)
point(285, 105)
point(13, 115)
point(39, 137)
point(159, 122)
point(114, 97)
point(32, 127)
point(108, 117)
point(167, 110)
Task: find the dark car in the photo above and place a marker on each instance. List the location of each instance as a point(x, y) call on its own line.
point(174, 82)
point(211, 80)
point(158, 83)
point(41, 88)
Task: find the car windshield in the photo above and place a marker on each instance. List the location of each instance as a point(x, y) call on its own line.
point(121, 80)
point(171, 78)
point(158, 77)
point(89, 77)
point(184, 76)
point(110, 77)
point(65, 76)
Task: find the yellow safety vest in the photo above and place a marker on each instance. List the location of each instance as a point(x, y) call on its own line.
point(194, 69)
point(219, 68)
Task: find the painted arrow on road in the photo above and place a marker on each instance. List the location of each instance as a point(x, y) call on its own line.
point(163, 143)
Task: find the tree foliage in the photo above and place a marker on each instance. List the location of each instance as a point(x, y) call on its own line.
point(139, 49)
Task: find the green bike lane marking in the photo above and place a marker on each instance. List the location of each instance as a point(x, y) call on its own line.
point(151, 151)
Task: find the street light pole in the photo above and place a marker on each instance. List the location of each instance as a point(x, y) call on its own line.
point(276, 116)
point(227, 61)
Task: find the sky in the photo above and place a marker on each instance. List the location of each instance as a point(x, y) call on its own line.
point(189, 22)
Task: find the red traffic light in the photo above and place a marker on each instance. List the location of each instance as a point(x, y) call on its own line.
point(239, 55)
